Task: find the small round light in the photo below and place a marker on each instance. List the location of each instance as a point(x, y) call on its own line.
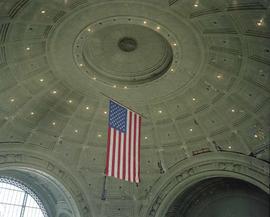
point(172, 70)
point(174, 44)
point(12, 100)
point(28, 48)
point(144, 22)
point(233, 110)
point(43, 11)
point(89, 30)
point(70, 101)
point(54, 92)
point(94, 78)
point(145, 137)
point(41, 80)
point(81, 65)
point(105, 112)
point(194, 99)
point(230, 147)
point(125, 87)
point(53, 123)
point(160, 111)
point(87, 108)
point(255, 136)
point(158, 27)
point(32, 113)
point(196, 5)
point(190, 129)
point(99, 135)
point(219, 76)
point(114, 86)
point(76, 131)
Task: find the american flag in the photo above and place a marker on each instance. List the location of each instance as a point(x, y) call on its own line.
point(123, 146)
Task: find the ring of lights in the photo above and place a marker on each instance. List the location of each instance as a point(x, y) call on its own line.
point(90, 75)
point(110, 53)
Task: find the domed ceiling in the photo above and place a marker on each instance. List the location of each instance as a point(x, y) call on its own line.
point(197, 70)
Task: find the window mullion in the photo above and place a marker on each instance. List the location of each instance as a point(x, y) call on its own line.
point(24, 204)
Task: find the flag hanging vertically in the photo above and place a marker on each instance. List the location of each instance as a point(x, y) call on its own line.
point(123, 146)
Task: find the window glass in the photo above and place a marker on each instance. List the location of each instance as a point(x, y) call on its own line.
point(16, 200)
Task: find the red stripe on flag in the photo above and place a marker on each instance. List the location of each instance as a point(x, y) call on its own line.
point(108, 150)
point(124, 154)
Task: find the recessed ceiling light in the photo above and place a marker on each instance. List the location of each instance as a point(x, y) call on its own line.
point(81, 65)
point(32, 113)
point(105, 112)
point(12, 100)
point(54, 92)
point(53, 123)
point(193, 98)
point(145, 137)
point(260, 22)
point(219, 76)
point(43, 11)
point(41, 80)
point(196, 5)
point(190, 129)
point(76, 131)
point(28, 48)
point(70, 101)
point(87, 107)
point(174, 44)
point(233, 110)
point(172, 70)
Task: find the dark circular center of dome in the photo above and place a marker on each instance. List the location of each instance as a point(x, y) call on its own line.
point(127, 44)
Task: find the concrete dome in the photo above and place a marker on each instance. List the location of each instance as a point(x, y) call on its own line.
point(198, 71)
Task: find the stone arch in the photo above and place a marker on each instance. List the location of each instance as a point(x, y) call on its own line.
point(20, 165)
point(195, 169)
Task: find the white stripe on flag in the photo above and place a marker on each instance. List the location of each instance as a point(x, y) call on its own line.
point(132, 147)
point(127, 147)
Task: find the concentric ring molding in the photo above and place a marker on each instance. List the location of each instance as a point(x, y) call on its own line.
point(189, 48)
point(99, 55)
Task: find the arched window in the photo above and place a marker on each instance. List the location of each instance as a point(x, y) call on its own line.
point(17, 200)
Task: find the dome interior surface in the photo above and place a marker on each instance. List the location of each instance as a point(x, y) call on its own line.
point(199, 74)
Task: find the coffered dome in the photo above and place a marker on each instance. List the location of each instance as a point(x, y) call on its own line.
point(198, 72)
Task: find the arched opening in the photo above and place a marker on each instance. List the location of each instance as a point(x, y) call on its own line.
point(31, 193)
point(220, 197)
point(17, 199)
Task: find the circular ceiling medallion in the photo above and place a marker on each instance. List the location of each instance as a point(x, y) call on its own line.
point(126, 57)
point(127, 44)
point(123, 53)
